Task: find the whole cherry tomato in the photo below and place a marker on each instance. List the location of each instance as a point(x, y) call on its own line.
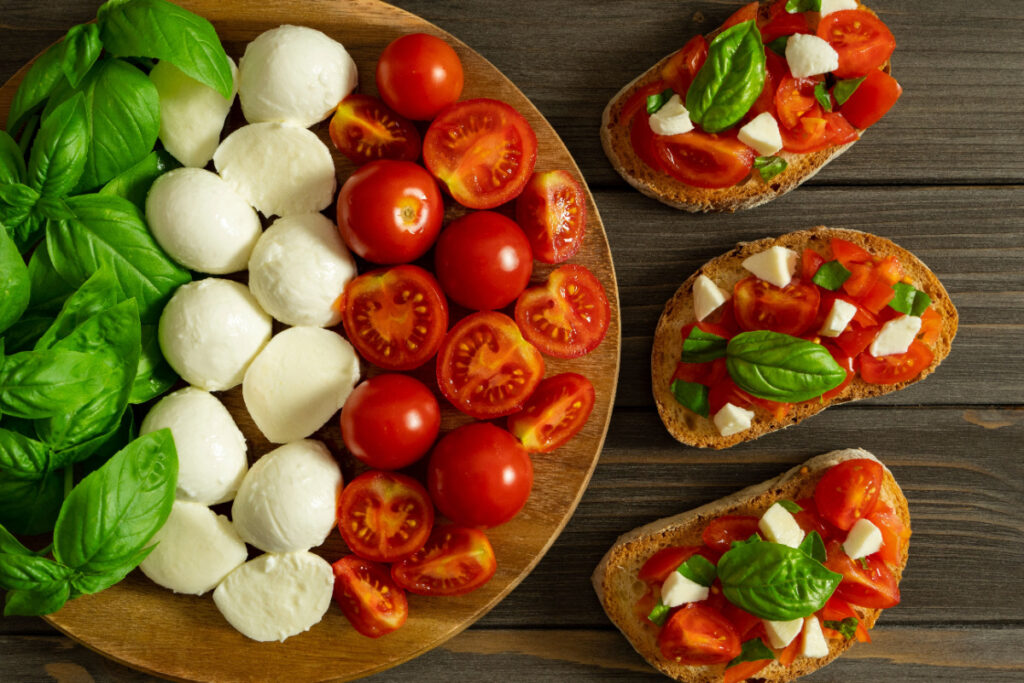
point(418, 75)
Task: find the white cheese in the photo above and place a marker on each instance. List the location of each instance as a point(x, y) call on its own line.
point(707, 297)
point(678, 590)
point(814, 644)
point(895, 336)
point(809, 55)
point(782, 633)
point(839, 317)
point(762, 133)
point(672, 118)
point(779, 526)
point(863, 539)
point(775, 265)
point(732, 419)
point(830, 6)
point(274, 597)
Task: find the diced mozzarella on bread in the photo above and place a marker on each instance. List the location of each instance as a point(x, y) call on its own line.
point(678, 590)
point(192, 114)
point(863, 539)
point(762, 133)
point(299, 381)
point(775, 265)
point(274, 597)
point(211, 330)
point(279, 168)
point(838, 318)
point(707, 296)
point(672, 118)
point(299, 269)
point(779, 526)
point(814, 644)
point(196, 548)
point(288, 501)
point(211, 449)
point(830, 6)
point(809, 55)
point(895, 336)
point(782, 633)
point(732, 419)
point(201, 222)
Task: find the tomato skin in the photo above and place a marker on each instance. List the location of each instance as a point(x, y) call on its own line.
point(810, 262)
point(644, 141)
point(720, 533)
point(785, 24)
point(568, 316)
point(855, 339)
point(703, 159)
point(555, 412)
point(896, 368)
point(862, 40)
point(894, 533)
point(661, 564)
point(365, 129)
point(483, 260)
point(746, 13)
point(847, 252)
point(681, 69)
point(384, 516)
point(775, 70)
point(871, 100)
point(552, 211)
point(390, 421)
point(698, 635)
point(456, 560)
point(418, 75)
point(760, 305)
point(848, 491)
point(390, 211)
point(873, 586)
point(794, 99)
point(368, 597)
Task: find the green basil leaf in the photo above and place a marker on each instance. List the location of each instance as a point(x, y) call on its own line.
point(53, 208)
point(794, 6)
point(30, 507)
point(909, 299)
point(30, 572)
point(12, 164)
point(60, 149)
point(781, 368)
point(134, 183)
point(89, 583)
point(96, 295)
point(847, 627)
point(22, 457)
point(37, 603)
point(814, 546)
point(790, 506)
point(9, 545)
point(659, 614)
point(28, 134)
point(776, 582)
point(843, 89)
point(831, 275)
point(82, 48)
point(821, 94)
point(154, 375)
point(105, 447)
point(769, 167)
point(15, 285)
point(43, 76)
point(40, 384)
point(658, 100)
point(701, 347)
point(162, 30)
point(778, 46)
point(26, 227)
point(49, 290)
point(22, 335)
point(731, 79)
point(691, 395)
point(753, 650)
point(18, 195)
point(699, 570)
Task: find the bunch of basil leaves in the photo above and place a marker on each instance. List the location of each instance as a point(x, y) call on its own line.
point(82, 286)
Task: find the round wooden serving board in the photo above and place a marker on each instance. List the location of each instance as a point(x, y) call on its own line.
point(184, 637)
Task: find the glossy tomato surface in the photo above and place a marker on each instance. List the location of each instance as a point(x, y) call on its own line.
point(384, 516)
point(662, 563)
point(721, 532)
point(872, 99)
point(368, 597)
point(848, 491)
point(760, 305)
point(555, 413)
point(365, 129)
point(895, 368)
point(794, 99)
point(682, 68)
point(390, 421)
point(455, 560)
point(568, 316)
point(703, 159)
point(862, 40)
point(390, 211)
point(867, 582)
point(552, 211)
point(479, 475)
point(698, 635)
point(418, 75)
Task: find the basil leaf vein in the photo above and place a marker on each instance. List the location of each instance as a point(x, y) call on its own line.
point(61, 148)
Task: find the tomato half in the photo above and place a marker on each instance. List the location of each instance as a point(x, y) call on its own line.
point(384, 515)
point(848, 491)
point(867, 582)
point(872, 99)
point(365, 129)
point(698, 635)
point(485, 367)
point(555, 413)
point(810, 134)
point(785, 24)
point(720, 533)
point(775, 70)
point(862, 40)
point(746, 13)
point(896, 368)
point(644, 141)
point(794, 98)
point(894, 533)
point(368, 597)
point(568, 316)
point(680, 70)
point(482, 150)
point(455, 560)
point(760, 305)
point(418, 75)
point(552, 211)
point(395, 317)
point(810, 262)
point(703, 159)
point(662, 563)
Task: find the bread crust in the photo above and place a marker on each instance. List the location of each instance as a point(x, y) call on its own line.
point(618, 588)
point(726, 270)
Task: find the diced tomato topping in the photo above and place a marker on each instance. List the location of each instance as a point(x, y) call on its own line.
point(878, 297)
point(720, 533)
point(724, 392)
point(890, 271)
point(743, 621)
point(847, 252)
point(867, 582)
point(680, 70)
point(837, 609)
point(855, 339)
point(775, 70)
point(745, 13)
point(744, 670)
point(794, 99)
point(810, 262)
point(784, 24)
point(788, 655)
point(846, 363)
point(838, 130)
point(810, 134)
point(931, 326)
point(662, 563)
point(894, 533)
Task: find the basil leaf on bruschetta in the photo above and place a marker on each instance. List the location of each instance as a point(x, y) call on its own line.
point(730, 80)
point(780, 367)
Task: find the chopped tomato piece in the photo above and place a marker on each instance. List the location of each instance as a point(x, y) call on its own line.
point(726, 391)
point(846, 363)
point(720, 533)
point(662, 563)
point(862, 278)
point(889, 270)
point(637, 102)
point(743, 621)
point(788, 655)
point(703, 159)
point(871, 100)
point(775, 70)
point(708, 374)
point(895, 368)
point(878, 297)
point(847, 252)
point(810, 134)
point(644, 141)
point(368, 597)
point(848, 491)
point(867, 582)
point(744, 670)
point(680, 70)
point(795, 99)
point(552, 211)
point(698, 635)
point(894, 533)
point(931, 326)
point(745, 13)
point(365, 129)
point(855, 339)
point(760, 305)
point(784, 24)
point(863, 41)
point(455, 560)
point(838, 130)
point(810, 262)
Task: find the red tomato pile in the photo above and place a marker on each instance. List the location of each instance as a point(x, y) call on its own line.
point(489, 365)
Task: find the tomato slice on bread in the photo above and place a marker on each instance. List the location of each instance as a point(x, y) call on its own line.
point(698, 635)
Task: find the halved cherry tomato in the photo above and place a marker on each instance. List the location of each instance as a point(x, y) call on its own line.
point(931, 326)
point(838, 130)
point(862, 40)
point(810, 134)
point(418, 75)
point(760, 305)
point(395, 317)
point(482, 150)
point(896, 368)
point(725, 391)
point(485, 367)
point(894, 533)
point(365, 129)
point(703, 159)
point(847, 252)
point(744, 670)
point(720, 533)
point(568, 316)
point(455, 560)
point(368, 597)
point(552, 211)
point(848, 491)
point(698, 635)
point(855, 339)
point(775, 70)
point(746, 13)
point(871, 100)
point(644, 141)
point(794, 99)
point(867, 582)
point(837, 609)
point(784, 24)
point(743, 621)
point(680, 70)
point(708, 374)
point(810, 262)
point(661, 564)
point(637, 103)
point(384, 516)
point(555, 413)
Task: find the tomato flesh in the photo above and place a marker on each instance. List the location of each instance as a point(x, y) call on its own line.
point(698, 635)
point(760, 305)
point(365, 129)
point(555, 413)
point(704, 159)
point(681, 69)
point(894, 533)
point(661, 564)
point(552, 211)
point(795, 98)
point(849, 491)
point(568, 316)
point(383, 516)
point(456, 560)
point(862, 40)
point(721, 532)
point(867, 582)
point(368, 597)
point(872, 99)
point(896, 368)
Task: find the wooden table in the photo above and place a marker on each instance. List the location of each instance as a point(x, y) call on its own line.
point(942, 175)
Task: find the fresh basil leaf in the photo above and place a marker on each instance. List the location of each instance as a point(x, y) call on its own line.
point(658, 100)
point(22, 335)
point(909, 299)
point(43, 76)
point(847, 627)
point(49, 290)
point(37, 603)
point(82, 48)
point(9, 545)
point(53, 209)
point(790, 506)
point(30, 507)
point(154, 375)
point(15, 285)
point(22, 457)
point(105, 447)
point(691, 395)
point(769, 167)
point(659, 614)
point(831, 275)
point(731, 79)
point(18, 196)
point(844, 88)
point(778, 46)
point(30, 572)
point(753, 538)
point(821, 94)
point(781, 368)
point(96, 295)
point(794, 6)
point(134, 183)
point(814, 546)
point(162, 30)
point(28, 134)
point(60, 149)
point(89, 583)
point(40, 384)
point(701, 347)
point(26, 227)
point(12, 164)
point(698, 569)
point(776, 582)
point(753, 650)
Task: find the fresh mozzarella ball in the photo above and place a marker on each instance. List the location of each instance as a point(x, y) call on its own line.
point(192, 114)
point(289, 499)
point(211, 330)
point(196, 548)
point(299, 381)
point(274, 597)
point(201, 222)
point(294, 74)
point(278, 168)
point(299, 269)
point(211, 449)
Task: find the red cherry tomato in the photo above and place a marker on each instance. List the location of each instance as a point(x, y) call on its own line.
point(746, 13)
point(568, 316)
point(364, 129)
point(871, 100)
point(479, 475)
point(760, 305)
point(899, 367)
point(555, 413)
point(390, 421)
point(862, 40)
point(483, 260)
point(390, 211)
point(552, 211)
point(698, 635)
point(847, 252)
point(775, 70)
point(644, 141)
point(782, 23)
point(455, 560)
point(810, 262)
point(794, 99)
point(703, 159)
point(680, 70)
point(894, 533)
point(418, 75)
point(848, 491)
point(720, 533)
point(662, 563)
point(368, 597)
point(867, 582)
point(482, 150)
point(384, 516)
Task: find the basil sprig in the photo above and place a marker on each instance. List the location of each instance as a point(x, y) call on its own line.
point(753, 650)
point(831, 275)
point(779, 367)
point(691, 395)
point(909, 299)
point(701, 347)
point(844, 88)
point(847, 627)
point(698, 569)
point(730, 80)
point(769, 167)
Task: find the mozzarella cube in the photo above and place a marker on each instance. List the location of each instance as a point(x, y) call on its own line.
point(814, 644)
point(672, 118)
point(775, 266)
point(678, 590)
point(732, 419)
point(707, 297)
point(782, 633)
point(779, 526)
point(830, 6)
point(895, 336)
point(864, 539)
point(762, 133)
point(809, 55)
point(838, 318)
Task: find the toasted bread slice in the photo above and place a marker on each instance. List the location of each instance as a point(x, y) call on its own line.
point(619, 589)
point(726, 270)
